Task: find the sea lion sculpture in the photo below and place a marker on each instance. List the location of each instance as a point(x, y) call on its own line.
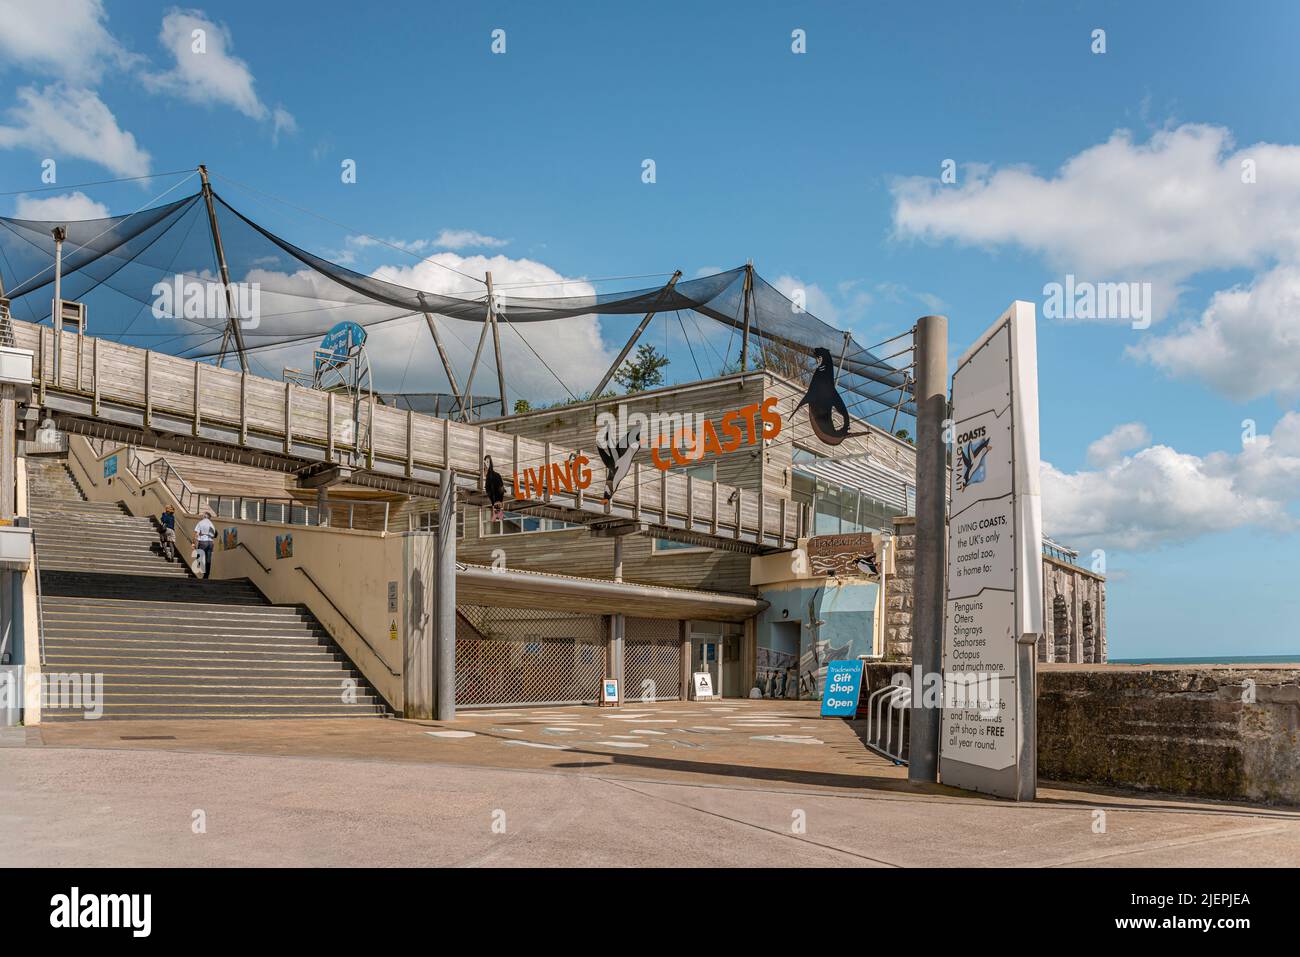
point(824, 402)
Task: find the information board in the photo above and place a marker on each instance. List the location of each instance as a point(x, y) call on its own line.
point(993, 613)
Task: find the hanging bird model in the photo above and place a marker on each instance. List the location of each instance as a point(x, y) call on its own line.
point(824, 402)
point(618, 460)
point(496, 489)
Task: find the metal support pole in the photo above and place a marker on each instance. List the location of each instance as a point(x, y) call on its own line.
point(56, 308)
point(496, 344)
point(931, 541)
point(442, 353)
point(468, 400)
point(747, 295)
point(232, 328)
point(609, 374)
point(617, 625)
point(445, 598)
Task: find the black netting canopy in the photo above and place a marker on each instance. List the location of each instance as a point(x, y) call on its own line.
point(119, 267)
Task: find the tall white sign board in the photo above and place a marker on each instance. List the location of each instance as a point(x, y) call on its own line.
point(994, 609)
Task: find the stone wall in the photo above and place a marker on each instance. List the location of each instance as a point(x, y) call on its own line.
point(898, 592)
point(1074, 615)
point(1074, 606)
point(1219, 731)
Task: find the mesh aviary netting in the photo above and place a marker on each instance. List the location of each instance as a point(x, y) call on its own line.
point(116, 266)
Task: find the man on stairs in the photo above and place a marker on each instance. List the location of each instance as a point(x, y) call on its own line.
point(204, 534)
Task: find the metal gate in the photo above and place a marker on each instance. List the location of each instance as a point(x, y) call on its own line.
point(652, 660)
point(523, 656)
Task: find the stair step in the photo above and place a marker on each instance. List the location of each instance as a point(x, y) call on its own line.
point(167, 645)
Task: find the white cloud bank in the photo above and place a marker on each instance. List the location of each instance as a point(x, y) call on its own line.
point(62, 121)
point(1159, 496)
point(68, 207)
point(1185, 202)
point(64, 38)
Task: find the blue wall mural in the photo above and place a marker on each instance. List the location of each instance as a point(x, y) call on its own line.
point(808, 626)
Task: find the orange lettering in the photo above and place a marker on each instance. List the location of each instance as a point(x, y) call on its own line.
point(732, 432)
point(771, 418)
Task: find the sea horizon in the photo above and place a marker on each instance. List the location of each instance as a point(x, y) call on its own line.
point(1215, 660)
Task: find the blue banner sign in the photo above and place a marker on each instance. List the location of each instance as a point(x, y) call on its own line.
point(843, 684)
point(339, 342)
point(110, 466)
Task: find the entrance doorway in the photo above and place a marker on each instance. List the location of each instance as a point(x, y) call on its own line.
point(706, 651)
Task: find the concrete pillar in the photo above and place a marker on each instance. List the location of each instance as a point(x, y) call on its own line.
point(445, 601)
point(931, 544)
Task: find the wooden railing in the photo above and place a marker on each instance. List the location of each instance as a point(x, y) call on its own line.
point(316, 426)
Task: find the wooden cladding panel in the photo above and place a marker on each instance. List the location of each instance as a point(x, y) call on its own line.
point(117, 373)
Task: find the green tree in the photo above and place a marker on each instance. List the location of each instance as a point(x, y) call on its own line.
point(643, 371)
point(522, 406)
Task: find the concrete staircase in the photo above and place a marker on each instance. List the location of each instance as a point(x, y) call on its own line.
point(76, 535)
point(167, 645)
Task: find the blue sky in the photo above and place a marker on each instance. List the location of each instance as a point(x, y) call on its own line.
point(823, 168)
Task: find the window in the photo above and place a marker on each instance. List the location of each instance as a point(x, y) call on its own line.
point(428, 522)
point(516, 523)
point(841, 509)
point(707, 472)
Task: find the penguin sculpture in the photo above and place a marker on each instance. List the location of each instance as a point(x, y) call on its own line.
point(618, 460)
point(824, 402)
point(496, 489)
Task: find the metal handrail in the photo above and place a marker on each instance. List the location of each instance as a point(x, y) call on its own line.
point(260, 564)
point(40, 612)
point(342, 614)
point(190, 500)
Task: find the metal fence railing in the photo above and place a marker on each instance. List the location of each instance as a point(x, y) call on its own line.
point(652, 660)
point(521, 656)
point(888, 711)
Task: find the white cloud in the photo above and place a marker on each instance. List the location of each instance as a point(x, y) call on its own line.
point(1176, 203)
point(1159, 211)
point(572, 347)
point(406, 245)
point(446, 239)
point(467, 238)
point(815, 299)
point(63, 121)
point(1159, 496)
point(402, 350)
point(207, 72)
point(1246, 343)
point(68, 207)
point(65, 38)
point(1108, 449)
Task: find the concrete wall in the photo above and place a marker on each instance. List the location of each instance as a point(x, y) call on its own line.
point(1186, 730)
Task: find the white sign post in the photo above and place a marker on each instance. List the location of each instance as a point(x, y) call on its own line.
point(994, 609)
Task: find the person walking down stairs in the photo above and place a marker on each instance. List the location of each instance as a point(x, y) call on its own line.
point(204, 535)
